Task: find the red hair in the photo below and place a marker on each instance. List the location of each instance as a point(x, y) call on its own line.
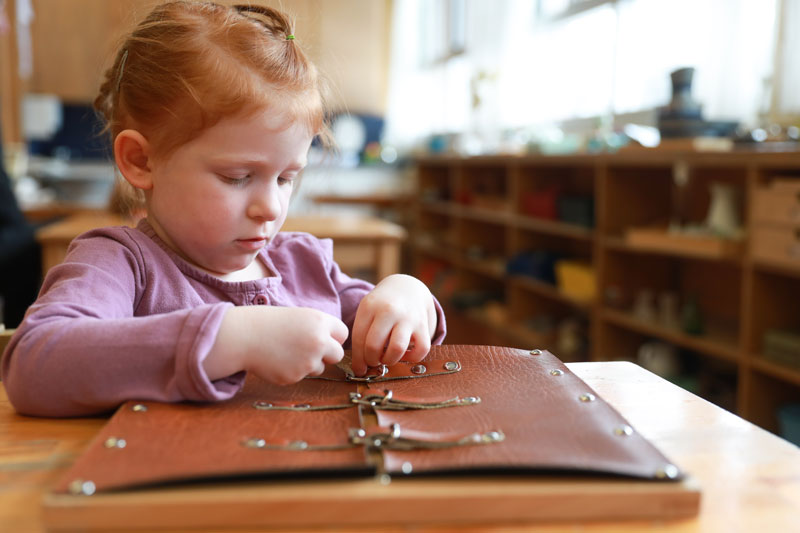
point(189, 64)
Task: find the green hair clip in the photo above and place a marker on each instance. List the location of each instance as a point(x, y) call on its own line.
point(290, 37)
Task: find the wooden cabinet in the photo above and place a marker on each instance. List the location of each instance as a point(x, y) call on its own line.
point(574, 254)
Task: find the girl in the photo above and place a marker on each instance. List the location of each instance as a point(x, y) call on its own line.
point(212, 110)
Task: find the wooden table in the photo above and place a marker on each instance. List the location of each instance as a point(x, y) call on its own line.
point(366, 247)
point(750, 479)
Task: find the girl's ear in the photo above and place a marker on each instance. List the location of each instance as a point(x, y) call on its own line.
point(132, 155)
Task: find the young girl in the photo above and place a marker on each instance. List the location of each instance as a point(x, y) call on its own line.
point(212, 110)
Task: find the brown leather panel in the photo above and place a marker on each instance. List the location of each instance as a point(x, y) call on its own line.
point(529, 417)
point(536, 402)
point(170, 442)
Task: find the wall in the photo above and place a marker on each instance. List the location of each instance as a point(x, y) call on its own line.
point(74, 42)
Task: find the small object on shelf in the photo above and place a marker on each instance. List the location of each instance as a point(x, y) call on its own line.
point(789, 422)
point(723, 216)
point(537, 264)
point(660, 358)
point(692, 317)
point(782, 346)
point(644, 307)
point(576, 209)
point(541, 204)
point(697, 243)
point(576, 279)
point(668, 314)
point(570, 340)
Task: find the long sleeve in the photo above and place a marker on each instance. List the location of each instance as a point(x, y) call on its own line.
point(81, 348)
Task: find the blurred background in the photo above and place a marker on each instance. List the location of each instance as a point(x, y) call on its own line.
point(608, 179)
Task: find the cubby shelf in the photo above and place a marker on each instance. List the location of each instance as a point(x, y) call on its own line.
point(478, 212)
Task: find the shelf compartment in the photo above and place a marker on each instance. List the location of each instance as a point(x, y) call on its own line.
point(713, 378)
point(768, 392)
point(775, 296)
point(549, 291)
point(483, 186)
point(434, 181)
point(719, 342)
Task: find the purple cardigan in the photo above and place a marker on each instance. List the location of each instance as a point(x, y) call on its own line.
point(124, 317)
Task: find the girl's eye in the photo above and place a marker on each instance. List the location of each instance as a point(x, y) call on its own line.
point(285, 181)
point(235, 181)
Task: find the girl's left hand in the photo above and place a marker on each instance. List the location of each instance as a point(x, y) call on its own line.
point(394, 322)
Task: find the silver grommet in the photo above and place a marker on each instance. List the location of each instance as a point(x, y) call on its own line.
point(536, 352)
point(471, 400)
point(418, 369)
point(385, 479)
point(451, 365)
point(623, 431)
point(139, 408)
point(262, 405)
point(80, 487)
point(114, 442)
point(377, 442)
point(668, 471)
point(556, 372)
point(587, 397)
point(297, 445)
point(407, 468)
point(255, 443)
point(493, 436)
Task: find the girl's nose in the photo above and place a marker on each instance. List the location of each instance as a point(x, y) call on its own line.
point(265, 206)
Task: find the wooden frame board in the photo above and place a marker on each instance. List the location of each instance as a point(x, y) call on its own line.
point(368, 501)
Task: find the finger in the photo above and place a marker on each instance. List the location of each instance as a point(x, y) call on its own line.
point(360, 327)
point(397, 345)
point(339, 331)
point(333, 355)
point(376, 340)
point(318, 369)
point(419, 348)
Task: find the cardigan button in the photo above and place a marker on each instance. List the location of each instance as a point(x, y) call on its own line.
point(260, 299)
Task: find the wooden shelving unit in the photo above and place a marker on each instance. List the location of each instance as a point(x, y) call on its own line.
point(473, 216)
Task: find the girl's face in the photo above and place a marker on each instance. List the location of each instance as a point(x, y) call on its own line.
point(220, 198)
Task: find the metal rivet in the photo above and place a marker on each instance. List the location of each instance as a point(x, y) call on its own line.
point(451, 365)
point(407, 467)
point(114, 442)
point(355, 395)
point(556, 372)
point(360, 433)
point(255, 443)
point(418, 369)
point(262, 405)
point(81, 487)
point(139, 408)
point(623, 431)
point(536, 352)
point(385, 479)
point(471, 400)
point(377, 443)
point(297, 445)
point(493, 436)
point(668, 471)
point(302, 406)
point(587, 397)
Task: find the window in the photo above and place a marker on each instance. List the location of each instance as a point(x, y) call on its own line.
point(526, 63)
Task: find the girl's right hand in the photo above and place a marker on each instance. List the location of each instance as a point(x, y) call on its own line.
point(280, 344)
